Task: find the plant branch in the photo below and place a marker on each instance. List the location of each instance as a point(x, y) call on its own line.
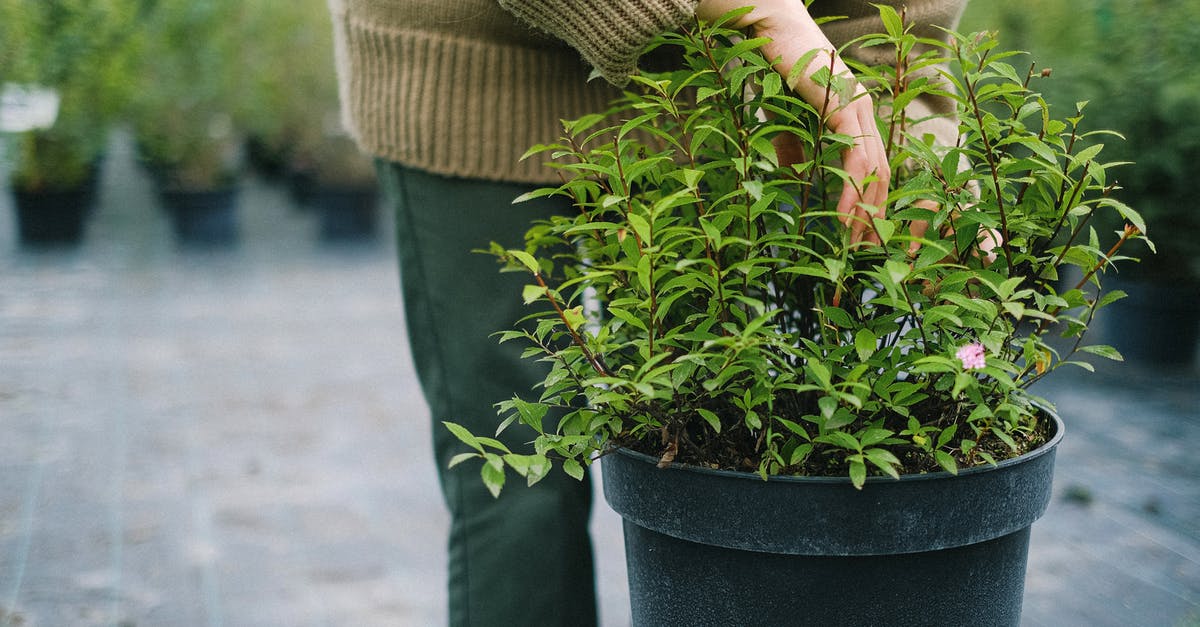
point(595, 362)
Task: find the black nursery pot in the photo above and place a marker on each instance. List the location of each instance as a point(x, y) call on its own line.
point(720, 548)
point(1157, 323)
point(56, 217)
point(346, 213)
point(53, 216)
point(203, 217)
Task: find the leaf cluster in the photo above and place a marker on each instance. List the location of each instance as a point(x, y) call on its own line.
point(705, 304)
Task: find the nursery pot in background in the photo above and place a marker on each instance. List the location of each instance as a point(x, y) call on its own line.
point(53, 217)
point(1157, 323)
point(346, 213)
point(203, 217)
point(708, 547)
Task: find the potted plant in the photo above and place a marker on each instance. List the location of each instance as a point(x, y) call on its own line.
point(294, 115)
point(343, 188)
point(288, 50)
point(184, 117)
point(82, 51)
point(797, 428)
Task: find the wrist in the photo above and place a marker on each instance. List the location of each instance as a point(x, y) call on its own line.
point(764, 15)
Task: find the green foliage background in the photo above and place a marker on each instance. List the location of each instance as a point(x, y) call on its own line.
point(1136, 60)
point(85, 49)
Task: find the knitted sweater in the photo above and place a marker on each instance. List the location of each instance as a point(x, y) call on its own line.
point(464, 87)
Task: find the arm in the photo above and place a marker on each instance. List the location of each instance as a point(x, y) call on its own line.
point(611, 33)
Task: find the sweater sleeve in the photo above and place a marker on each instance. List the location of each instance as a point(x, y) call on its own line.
point(610, 34)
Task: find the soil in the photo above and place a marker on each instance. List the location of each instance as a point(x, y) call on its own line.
point(738, 448)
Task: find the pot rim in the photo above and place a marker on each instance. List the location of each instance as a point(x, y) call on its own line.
point(1045, 448)
point(827, 515)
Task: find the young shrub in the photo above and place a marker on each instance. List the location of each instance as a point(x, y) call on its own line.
point(705, 304)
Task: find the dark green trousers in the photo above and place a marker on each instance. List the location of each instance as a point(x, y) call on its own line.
point(524, 558)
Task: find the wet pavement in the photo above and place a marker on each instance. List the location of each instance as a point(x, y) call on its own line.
point(236, 437)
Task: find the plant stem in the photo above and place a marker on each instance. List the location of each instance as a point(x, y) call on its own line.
point(989, 153)
point(592, 359)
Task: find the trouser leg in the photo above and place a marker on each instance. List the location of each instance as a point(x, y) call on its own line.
point(524, 558)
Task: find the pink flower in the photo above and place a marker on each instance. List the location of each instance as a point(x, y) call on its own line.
point(972, 356)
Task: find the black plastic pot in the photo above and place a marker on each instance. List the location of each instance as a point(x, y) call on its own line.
point(718, 548)
point(203, 217)
point(1157, 323)
point(346, 213)
point(53, 217)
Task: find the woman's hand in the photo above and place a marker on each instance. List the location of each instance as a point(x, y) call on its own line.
point(793, 34)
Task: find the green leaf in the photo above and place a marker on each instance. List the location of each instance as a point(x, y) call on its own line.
point(533, 467)
point(531, 413)
point(1106, 352)
point(519, 463)
point(460, 458)
point(644, 274)
point(946, 461)
point(526, 260)
point(821, 373)
point(641, 227)
point(794, 428)
point(627, 317)
point(946, 434)
point(1006, 438)
point(493, 478)
point(573, 469)
point(711, 418)
point(835, 267)
point(537, 193)
point(1110, 297)
point(531, 293)
point(897, 270)
point(575, 317)
point(799, 454)
point(772, 83)
point(461, 433)
point(837, 419)
point(865, 343)
point(884, 460)
point(754, 188)
point(705, 93)
point(838, 317)
point(891, 20)
point(874, 436)
point(858, 473)
point(884, 228)
point(840, 439)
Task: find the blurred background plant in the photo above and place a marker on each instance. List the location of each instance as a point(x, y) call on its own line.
point(189, 81)
point(1136, 59)
point(85, 50)
point(292, 112)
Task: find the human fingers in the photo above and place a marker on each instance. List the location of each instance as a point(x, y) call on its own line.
point(864, 194)
point(918, 228)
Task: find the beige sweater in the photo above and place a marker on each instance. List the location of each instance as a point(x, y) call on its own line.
point(464, 87)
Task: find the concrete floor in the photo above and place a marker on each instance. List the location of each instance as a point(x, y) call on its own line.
point(237, 438)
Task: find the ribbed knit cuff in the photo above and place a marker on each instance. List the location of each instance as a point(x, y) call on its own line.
point(610, 34)
point(460, 107)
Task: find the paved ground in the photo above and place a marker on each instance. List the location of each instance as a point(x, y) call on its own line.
point(237, 439)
